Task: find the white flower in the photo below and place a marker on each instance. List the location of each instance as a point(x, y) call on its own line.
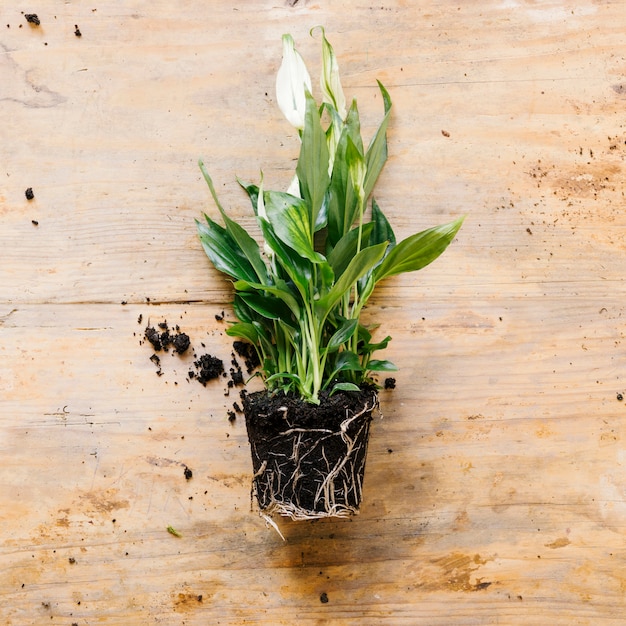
point(329, 79)
point(292, 82)
point(294, 187)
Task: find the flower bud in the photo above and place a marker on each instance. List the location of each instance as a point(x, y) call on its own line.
point(292, 82)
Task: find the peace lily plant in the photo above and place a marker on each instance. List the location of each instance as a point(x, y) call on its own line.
point(299, 297)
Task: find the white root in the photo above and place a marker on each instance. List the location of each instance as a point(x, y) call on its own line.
point(342, 481)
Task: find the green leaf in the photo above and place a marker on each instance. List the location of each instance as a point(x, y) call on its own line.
point(342, 202)
point(357, 171)
point(244, 330)
point(290, 220)
point(298, 268)
point(376, 365)
point(359, 266)
point(224, 252)
point(382, 228)
point(248, 246)
point(312, 168)
point(368, 348)
point(345, 331)
point(270, 307)
point(417, 251)
point(347, 361)
point(376, 154)
point(252, 191)
point(344, 387)
point(280, 290)
point(340, 256)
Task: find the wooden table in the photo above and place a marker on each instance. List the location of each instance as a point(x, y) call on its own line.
point(496, 481)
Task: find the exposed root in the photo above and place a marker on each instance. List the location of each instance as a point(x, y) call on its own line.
point(274, 525)
point(308, 474)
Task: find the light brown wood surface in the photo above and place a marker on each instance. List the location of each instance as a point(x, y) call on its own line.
point(496, 482)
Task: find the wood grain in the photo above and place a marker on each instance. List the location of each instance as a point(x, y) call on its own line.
point(495, 490)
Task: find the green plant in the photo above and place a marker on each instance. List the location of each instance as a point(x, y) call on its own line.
point(300, 300)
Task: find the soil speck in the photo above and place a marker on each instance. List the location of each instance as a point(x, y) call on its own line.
point(32, 18)
point(29, 193)
point(248, 353)
point(324, 598)
point(209, 367)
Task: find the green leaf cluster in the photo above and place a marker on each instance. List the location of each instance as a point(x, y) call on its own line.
point(299, 299)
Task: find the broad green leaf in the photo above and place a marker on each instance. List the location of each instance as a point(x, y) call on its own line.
point(342, 202)
point(224, 252)
point(345, 331)
point(376, 365)
point(325, 278)
point(382, 228)
point(280, 290)
point(347, 361)
point(368, 347)
point(312, 168)
point(267, 306)
point(247, 245)
point(417, 251)
point(345, 250)
point(290, 220)
point(359, 266)
point(376, 154)
point(344, 387)
point(245, 331)
point(298, 268)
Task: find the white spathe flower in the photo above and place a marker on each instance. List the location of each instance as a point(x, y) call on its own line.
point(292, 83)
point(329, 79)
point(294, 187)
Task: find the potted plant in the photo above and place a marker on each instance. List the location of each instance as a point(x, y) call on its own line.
point(299, 296)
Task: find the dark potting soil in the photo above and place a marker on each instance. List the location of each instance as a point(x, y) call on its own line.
point(275, 412)
point(209, 367)
point(304, 463)
point(164, 339)
point(248, 353)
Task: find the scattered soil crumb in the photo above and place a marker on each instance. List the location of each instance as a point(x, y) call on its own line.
point(164, 339)
point(77, 31)
point(34, 222)
point(32, 18)
point(248, 353)
point(209, 367)
point(188, 473)
point(236, 375)
point(29, 193)
point(324, 598)
point(445, 133)
point(390, 383)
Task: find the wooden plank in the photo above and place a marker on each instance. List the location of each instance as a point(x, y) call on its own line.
point(495, 487)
